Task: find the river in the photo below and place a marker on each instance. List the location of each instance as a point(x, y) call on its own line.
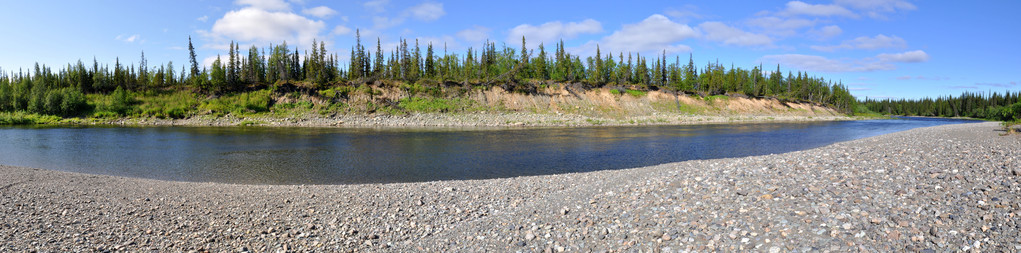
point(265, 155)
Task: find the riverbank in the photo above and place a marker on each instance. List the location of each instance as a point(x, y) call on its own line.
point(952, 188)
point(495, 107)
point(499, 119)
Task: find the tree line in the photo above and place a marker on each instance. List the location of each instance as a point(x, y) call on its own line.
point(62, 92)
point(989, 105)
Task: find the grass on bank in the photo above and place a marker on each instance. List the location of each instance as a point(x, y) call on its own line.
point(23, 118)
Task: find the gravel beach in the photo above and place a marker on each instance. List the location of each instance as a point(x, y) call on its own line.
point(945, 188)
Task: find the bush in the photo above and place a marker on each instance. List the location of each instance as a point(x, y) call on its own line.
point(418, 104)
point(121, 102)
point(637, 93)
point(22, 118)
point(244, 103)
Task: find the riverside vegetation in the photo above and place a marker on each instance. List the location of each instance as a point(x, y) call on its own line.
point(279, 82)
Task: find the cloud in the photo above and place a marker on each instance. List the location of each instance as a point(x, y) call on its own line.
point(267, 5)
point(823, 64)
point(933, 78)
point(826, 32)
point(320, 12)
point(203, 19)
point(655, 33)
point(826, 10)
point(427, 11)
point(999, 85)
point(437, 42)
point(376, 5)
point(864, 42)
point(340, 30)
point(208, 61)
point(877, 8)
point(963, 87)
point(128, 38)
point(380, 23)
point(474, 34)
point(553, 31)
point(720, 32)
point(904, 78)
point(262, 27)
point(688, 11)
point(910, 56)
point(780, 26)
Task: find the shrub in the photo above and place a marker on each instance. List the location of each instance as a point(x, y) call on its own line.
point(418, 104)
point(637, 93)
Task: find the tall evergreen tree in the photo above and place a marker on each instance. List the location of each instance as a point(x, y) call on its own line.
point(191, 56)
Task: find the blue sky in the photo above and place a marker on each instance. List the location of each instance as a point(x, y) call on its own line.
point(879, 48)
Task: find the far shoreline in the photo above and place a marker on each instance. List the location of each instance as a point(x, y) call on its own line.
point(513, 120)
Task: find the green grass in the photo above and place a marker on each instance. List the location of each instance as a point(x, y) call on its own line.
point(637, 93)
point(238, 104)
point(615, 92)
point(431, 104)
point(1010, 126)
point(715, 98)
point(251, 123)
point(672, 106)
point(22, 118)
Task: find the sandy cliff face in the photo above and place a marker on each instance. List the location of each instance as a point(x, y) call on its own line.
point(603, 102)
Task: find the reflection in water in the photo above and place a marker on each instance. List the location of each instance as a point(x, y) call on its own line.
point(331, 156)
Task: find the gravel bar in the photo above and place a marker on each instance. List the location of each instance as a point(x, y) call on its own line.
point(936, 189)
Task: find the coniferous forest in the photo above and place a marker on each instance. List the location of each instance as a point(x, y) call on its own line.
point(244, 79)
point(991, 105)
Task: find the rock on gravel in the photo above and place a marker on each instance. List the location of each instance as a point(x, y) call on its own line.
point(946, 188)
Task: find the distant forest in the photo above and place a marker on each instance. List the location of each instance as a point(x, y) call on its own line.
point(96, 89)
point(992, 105)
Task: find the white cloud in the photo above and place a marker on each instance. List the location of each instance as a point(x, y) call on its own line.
point(437, 42)
point(208, 61)
point(826, 32)
point(474, 34)
point(267, 5)
point(264, 27)
point(688, 11)
point(865, 42)
point(877, 8)
point(341, 30)
point(781, 26)
point(203, 19)
point(717, 31)
point(320, 12)
point(128, 38)
point(553, 31)
point(381, 23)
point(910, 56)
point(826, 10)
point(823, 64)
point(376, 5)
point(427, 11)
point(654, 34)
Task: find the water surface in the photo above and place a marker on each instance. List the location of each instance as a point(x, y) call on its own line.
point(255, 155)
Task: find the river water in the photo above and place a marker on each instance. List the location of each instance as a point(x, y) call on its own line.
point(263, 155)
